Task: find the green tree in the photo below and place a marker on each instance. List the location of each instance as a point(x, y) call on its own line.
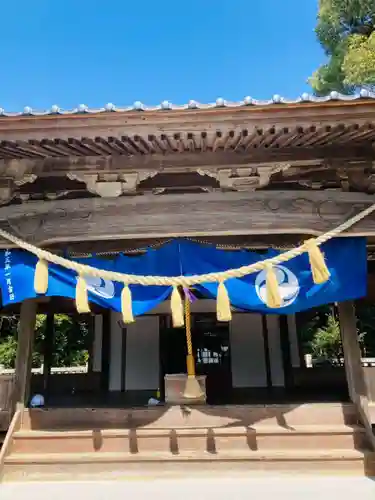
point(71, 338)
point(309, 322)
point(326, 342)
point(345, 30)
point(71, 341)
point(8, 349)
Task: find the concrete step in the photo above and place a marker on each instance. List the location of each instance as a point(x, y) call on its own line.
point(190, 439)
point(99, 466)
point(176, 417)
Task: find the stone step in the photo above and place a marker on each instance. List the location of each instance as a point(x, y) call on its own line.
point(100, 466)
point(175, 417)
point(101, 443)
point(190, 439)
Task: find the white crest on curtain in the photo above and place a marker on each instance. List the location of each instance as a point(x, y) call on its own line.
point(100, 287)
point(288, 285)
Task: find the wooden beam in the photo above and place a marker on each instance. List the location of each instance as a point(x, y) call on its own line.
point(184, 161)
point(24, 352)
point(167, 216)
point(109, 248)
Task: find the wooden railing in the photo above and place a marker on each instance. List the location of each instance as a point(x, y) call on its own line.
point(357, 386)
point(6, 391)
point(7, 444)
point(54, 370)
point(6, 386)
point(363, 412)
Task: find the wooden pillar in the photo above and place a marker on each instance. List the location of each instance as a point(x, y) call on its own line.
point(106, 350)
point(25, 343)
point(352, 352)
point(49, 341)
point(91, 341)
point(97, 343)
point(286, 350)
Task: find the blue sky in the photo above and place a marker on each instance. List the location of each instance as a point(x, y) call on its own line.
point(72, 52)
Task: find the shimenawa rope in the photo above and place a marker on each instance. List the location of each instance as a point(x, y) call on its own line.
point(319, 269)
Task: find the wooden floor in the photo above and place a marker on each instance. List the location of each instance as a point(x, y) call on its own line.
point(251, 396)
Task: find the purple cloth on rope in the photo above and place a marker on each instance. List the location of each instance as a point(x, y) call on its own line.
point(189, 295)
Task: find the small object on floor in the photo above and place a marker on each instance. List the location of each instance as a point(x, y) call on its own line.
point(37, 401)
point(153, 402)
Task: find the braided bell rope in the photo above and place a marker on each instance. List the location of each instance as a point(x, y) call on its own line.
point(186, 281)
point(189, 342)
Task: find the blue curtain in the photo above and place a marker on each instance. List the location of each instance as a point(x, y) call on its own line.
point(181, 257)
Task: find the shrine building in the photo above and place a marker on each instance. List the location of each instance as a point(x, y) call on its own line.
point(120, 186)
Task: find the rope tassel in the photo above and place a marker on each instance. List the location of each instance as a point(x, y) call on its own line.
point(82, 300)
point(177, 308)
point(41, 277)
point(223, 310)
point(272, 288)
point(192, 388)
point(319, 269)
point(126, 305)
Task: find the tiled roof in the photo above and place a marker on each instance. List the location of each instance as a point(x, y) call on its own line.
point(166, 105)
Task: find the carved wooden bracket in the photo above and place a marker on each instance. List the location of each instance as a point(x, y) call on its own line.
point(245, 178)
point(112, 185)
point(357, 177)
point(9, 185)
point(25, 179)
point(6, 194)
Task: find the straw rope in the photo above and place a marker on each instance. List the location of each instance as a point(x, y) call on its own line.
point(193, 389)
point(188, 327)
point(186, 281)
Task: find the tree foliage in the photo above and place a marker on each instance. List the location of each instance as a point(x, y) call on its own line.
point(321, 336)
point(70, 347)
point(8, 349)
point(326, 344)
point(345, 30)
